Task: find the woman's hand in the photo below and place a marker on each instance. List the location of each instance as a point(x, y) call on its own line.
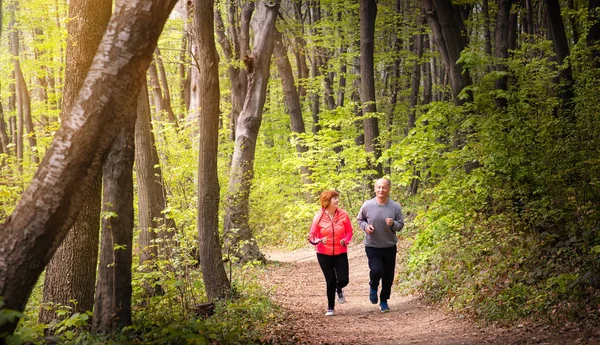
point(323, 240)
point(343, 243)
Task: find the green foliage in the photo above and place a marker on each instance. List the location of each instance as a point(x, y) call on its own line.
point(507, 222)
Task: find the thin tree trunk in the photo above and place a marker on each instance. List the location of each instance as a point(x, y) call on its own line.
point(4, 139)
point(54, 197)
point(237, 233)
point(166, 94)
point(486, 27)
point(152, 196)
point(501, 48)
point(215, 279)
point(70, 275)
point(292, 100)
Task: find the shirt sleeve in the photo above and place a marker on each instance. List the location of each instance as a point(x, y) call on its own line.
point(362, 218)
point(398, 219)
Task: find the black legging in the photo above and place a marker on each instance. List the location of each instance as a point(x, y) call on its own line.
point(382, 264)
point(335, 270)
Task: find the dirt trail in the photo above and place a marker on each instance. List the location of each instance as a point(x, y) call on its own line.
point(299, 287)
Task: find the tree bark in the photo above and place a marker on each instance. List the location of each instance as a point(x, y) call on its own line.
point(501, 48)
point(446, 30)
point(236, 49)
point(70, 275)
point(292, 99)
point(216, 283)
point(237, 233)
point(368, 13)
point(561, 48)
point(112, 310)
point(152, 196)
point(593, 35)
point(4, 138)
point(54, 197)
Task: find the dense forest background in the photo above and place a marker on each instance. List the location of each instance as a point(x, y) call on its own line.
point(484, 115)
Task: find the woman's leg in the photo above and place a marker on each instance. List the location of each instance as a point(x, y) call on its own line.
point(328, 267)
point(341, 271)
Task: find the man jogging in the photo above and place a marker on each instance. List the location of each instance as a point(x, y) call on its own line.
point(380, 218)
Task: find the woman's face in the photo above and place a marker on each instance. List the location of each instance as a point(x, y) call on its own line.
point(334, 202)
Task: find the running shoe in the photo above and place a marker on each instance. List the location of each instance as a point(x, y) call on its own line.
point(340, 297)
point(373, 295)
point(329, 312)
point(384, 307)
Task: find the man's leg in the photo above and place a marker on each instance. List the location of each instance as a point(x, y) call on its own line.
point(389, 266)
point(375, 271)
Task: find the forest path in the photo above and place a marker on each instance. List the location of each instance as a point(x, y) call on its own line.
point(298, 285)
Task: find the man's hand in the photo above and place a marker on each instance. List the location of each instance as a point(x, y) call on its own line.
point(389, 221)
point(369, 229)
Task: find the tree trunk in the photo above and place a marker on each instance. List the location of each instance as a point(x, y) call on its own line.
point(292, 99)
point(54, 197)
point(236, 49)
point(152, 196)
point(166, 94)
point(561, 47)
point(215, 279)
point(4, 138)
point(237, 233)
point(112, 310)
point(70, 275)
point(501, 48)
point(25, 122)
point(487, 36)
point(446, 30)
point(415, 83)
point(593, 35)
point(368, 13)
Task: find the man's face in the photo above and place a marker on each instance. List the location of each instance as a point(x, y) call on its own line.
point(382, 189)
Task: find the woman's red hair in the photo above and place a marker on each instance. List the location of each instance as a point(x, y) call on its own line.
point(326, 197)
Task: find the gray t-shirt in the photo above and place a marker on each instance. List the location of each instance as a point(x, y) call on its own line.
point(371, 212)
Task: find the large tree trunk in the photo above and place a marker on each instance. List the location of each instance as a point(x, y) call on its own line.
point(112, 310)
point(237, 233)
point(292, 99)
point(54, 197)
point(368, 13)
point(70, 275)
point(216, 283)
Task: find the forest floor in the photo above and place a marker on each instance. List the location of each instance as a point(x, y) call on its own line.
point(297, 284)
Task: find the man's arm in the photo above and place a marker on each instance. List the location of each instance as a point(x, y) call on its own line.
point(362, 218)
point(398, 220)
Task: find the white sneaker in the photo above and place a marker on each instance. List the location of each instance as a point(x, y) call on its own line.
point(329, 312)
point(340, 297)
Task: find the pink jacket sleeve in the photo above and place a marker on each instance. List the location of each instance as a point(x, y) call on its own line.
point(314, 235)
point(349, 232)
